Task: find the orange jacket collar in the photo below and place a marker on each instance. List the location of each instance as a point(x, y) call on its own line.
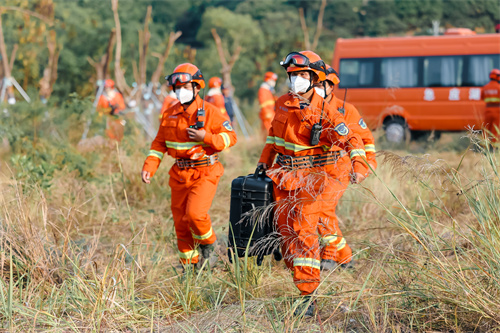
point(192, 108)
point(293, 101)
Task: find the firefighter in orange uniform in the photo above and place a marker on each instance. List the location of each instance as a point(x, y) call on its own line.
point(192, 132)
point(112, 104)
point(490, 94)
point(215, 95)
point(335, 249)
point(267, 101)
point(168, 101)
point(314, 149)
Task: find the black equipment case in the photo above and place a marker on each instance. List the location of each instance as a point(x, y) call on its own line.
point(249, 221)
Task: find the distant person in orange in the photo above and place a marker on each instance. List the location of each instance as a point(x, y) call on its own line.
point(267, 100)
point(335, 250)
point(314, 151)
point(192, 132)
point(214, 94)
point(490, 94)
point(168, 101)
point(111, 103)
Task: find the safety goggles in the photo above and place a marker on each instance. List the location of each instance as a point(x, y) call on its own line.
point(331, 71)
point(300, 60)
point(181, 78)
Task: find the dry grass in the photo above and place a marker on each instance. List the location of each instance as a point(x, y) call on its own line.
point(99, 254)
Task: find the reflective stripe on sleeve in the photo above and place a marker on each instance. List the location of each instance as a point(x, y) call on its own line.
point(183, 145)
point(202, 237)
point(227, 140)
point(156, 153)
point(309, 262)
point(267, 103)
point(492, 99)
point(291, 146)
point(270, 140)
point(188, 255)
point(357, 152)
point(370, 148)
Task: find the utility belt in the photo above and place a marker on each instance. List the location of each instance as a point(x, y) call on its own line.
point(492, 105)
point(309, 161)
point(183, 163)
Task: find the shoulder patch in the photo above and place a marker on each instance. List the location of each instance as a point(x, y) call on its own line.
point(342, 129)
point(362, 124)
point(227, 125)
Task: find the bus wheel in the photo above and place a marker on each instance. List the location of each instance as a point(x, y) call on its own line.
point(425, 136)
point(395, 130)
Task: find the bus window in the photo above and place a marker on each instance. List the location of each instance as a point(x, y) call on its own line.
point(479, 68)
point(443, 71)
point(357, 73)
point(399, 72)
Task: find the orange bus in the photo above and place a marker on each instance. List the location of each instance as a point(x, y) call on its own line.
point(415, 84)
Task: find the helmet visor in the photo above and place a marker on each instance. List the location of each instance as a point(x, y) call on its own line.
point(181, 78)
point(296, 59)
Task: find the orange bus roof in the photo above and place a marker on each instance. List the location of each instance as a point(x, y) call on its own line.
point(417, 46)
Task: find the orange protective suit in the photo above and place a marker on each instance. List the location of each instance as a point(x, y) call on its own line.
point(334, 244)
point(302, 194)
point(193, 188)
point(267, 102)
point(490, 94)
point(168, 101)
point(112, 104)
point(215, 97)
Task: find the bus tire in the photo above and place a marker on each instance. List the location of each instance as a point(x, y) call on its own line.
point(396, 130)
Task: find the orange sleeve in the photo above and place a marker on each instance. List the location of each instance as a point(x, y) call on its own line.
point(268, 153)
point(347, 139)
point(102, 103)
point(156, 153)
point(358, 125)
point(266, 103)
point(220, 135)
point(119, 102)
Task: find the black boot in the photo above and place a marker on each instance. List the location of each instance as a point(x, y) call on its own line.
point(208, 254)
point(328, 265)
point(348, 265)
point(306, 308)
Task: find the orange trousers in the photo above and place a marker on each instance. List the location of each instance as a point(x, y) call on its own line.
point(193, 191)
point(333, 244)
point(492, 120)
point(298, 214)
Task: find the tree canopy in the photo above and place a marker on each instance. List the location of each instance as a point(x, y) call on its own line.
point(265, 30)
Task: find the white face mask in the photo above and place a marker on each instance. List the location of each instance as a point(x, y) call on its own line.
point(299, 84)
point(320, 91)
point(271, 83)
point(184, 95)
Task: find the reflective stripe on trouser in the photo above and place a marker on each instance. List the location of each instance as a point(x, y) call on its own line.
point(333, 244)
point(492, 121)
point(190, 204)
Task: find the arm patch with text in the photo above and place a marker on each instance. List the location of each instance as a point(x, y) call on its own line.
point(342, 129)
point(227, 125)
point(362, 124)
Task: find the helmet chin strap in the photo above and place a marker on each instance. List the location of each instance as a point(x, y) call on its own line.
point(311, 75)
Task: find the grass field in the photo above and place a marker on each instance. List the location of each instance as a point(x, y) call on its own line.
point(85, 246)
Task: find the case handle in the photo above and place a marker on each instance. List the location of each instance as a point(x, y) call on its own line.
point(260, 172)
